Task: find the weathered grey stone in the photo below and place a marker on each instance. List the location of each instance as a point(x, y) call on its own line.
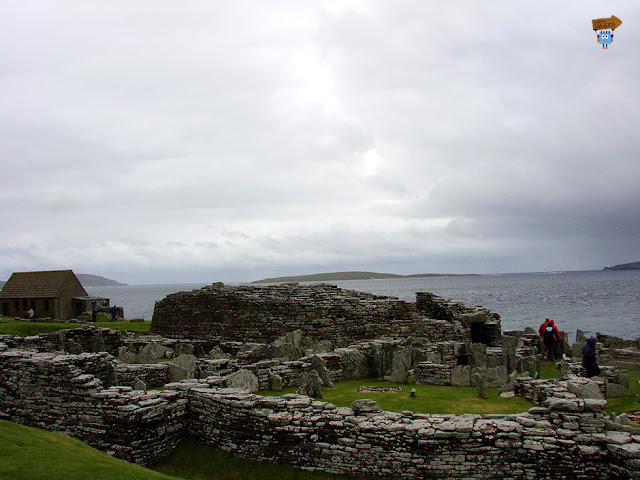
point(576, 350)
point(73, 348)
point(217, 353)
point(478, 355)
point(275, 382)
point(146, 356)
point(176, 372)
point(585, 388)
point(478, 380)
point(530, 365)
point(126, 356)
point(317, 363)
point(188, 362)
point(400, 363)
point(495, 377)
point(286, 351)
point(510, 386)
point(354, 363)
point(310, 384)
point(605, 360)
point(243, 379)
point(323, 346)
point(139, 385)
point(614, 390)
point(434, 357)
point(154, 351)
point(183, 348)
point(461, 376)
point(97, 343)
point(365, 406)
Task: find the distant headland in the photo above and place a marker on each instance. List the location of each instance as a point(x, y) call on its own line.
point(97, 281)
point(335, 276)
point(625, 266)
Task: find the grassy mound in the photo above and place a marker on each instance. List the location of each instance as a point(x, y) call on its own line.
point(28, 453)
point(31, 454)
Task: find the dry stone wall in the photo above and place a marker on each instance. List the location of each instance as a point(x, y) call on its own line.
point(264, 313)
point(565, 437)
point(72, 394)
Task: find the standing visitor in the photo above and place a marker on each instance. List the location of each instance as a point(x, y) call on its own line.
point(543, 327)
point(589, 357)
point(31, 313)
point(94, 312)
point(114, 312)
point(551, 337)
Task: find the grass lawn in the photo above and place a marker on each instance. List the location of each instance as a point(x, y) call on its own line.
point(25, 329)
point(429, 398)
point(31, 454)
point(628, 403)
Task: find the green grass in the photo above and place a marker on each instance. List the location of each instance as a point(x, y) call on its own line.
point(31, 454)
point(429, 398)
point(548, 369)
point(24, 329)
point(28, 453)
point(127, 326)
point(192, 461)
point(628, 403)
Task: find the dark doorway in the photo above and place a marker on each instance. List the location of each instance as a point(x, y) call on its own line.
point(5, 309)
point(463, 359)
point(478, 333)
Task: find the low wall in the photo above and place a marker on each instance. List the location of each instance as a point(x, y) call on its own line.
point(70, 394)
point(563, 438)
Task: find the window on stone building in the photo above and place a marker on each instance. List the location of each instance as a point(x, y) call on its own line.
point(46, 305)
point(33, 304)
point(24, 304)
point(16, 303)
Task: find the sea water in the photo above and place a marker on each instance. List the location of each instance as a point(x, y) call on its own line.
point(594, 301)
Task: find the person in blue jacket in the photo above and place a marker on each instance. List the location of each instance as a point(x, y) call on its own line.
point(589, 357)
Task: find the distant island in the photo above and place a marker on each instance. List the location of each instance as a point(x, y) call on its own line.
point(97, 281)
point(334, 276)
point(625, 266)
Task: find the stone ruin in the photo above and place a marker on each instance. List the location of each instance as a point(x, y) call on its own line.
point(97, 385)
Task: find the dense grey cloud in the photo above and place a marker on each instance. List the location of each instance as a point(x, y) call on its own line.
point(163, 142)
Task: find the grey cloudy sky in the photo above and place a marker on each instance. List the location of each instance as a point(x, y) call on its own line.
point(164, 141)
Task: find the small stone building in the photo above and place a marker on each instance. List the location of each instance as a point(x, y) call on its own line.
point(54, 294)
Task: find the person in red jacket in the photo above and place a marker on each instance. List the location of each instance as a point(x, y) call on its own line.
point(542, 328)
